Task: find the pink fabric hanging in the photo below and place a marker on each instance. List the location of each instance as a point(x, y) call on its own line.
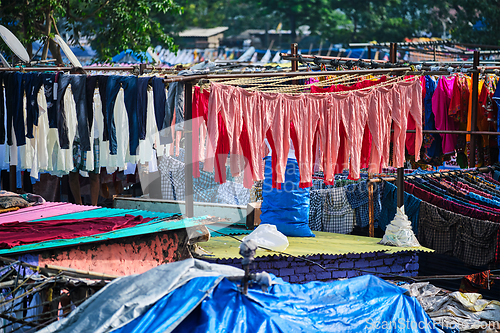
point(200, 109)
point(330, 134)
point(379, 123)
point(410, 103)
point(441, 100)
point(354, 118)
point(252, 135)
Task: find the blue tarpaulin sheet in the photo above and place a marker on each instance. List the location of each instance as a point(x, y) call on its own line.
point(361, 304)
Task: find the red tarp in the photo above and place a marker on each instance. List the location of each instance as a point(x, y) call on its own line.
point(19, 233)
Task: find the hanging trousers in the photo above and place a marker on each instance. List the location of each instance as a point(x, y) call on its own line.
point(78, 87)
point(129, 85)
point(14, 100)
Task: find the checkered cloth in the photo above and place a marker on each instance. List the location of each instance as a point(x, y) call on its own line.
point(232, 193)
point(340, 181)
point(437, 228)
point(395, 170)
point(172, 177)
point(338, 216)
point(476, 240)
point(471, 240)
point(173, 184)
point(357, 195)
point(80, 156)
point(317, 198)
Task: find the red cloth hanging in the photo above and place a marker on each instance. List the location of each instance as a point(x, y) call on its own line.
point(19, 233)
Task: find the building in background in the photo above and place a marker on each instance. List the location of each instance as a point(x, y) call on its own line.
point(201, 38)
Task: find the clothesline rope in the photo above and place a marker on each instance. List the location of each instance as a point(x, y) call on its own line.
point(274, 85)
point(344, 79)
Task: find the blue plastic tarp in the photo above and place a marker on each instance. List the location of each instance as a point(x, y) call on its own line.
point(172, 309)
point(131, 56)
point(361, 304)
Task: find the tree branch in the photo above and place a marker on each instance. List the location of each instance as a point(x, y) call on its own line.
point(81, 19)
point(55, 25)
point(48, 24)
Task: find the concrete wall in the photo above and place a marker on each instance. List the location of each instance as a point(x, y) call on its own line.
point(231, 213)
point(294, 270)
point(132, 255)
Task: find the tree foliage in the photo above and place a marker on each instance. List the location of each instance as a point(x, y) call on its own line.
point(237, 15)
point(111, 25)
point(300, 12)
point(115, 25)
point(475, 21)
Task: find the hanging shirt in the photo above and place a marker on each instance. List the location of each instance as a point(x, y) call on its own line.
point(496, 98)
point(338, 215)
point(441, 100)
point(432, 142)
point(146, 146)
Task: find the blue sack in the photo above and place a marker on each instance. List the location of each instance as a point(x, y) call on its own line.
point(286, 208)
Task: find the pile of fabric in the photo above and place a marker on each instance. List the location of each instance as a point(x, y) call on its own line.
point(10, 201)
point(18, 233)
point(458, 311)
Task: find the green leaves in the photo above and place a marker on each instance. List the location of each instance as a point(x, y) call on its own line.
point(112, 25)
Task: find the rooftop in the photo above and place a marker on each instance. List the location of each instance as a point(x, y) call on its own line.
point(199, 32)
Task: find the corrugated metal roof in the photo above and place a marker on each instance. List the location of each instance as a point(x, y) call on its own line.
point(151, 227)
point(221, 229)
point(108, 212)
point(324, 243)
point(199, 32)
point(45, 210)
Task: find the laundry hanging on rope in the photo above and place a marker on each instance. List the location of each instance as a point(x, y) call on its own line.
point(314, 124)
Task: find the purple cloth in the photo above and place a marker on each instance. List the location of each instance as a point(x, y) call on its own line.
point(440, 103)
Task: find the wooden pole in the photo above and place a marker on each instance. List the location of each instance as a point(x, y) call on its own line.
point(400, 171)
point(295, 63)
point(371, 209)
point(475, 95)
point(188, 156)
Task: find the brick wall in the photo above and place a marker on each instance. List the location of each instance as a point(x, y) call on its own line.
point(294, 270)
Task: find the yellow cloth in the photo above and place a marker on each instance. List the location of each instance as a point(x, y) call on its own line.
point(11, 209)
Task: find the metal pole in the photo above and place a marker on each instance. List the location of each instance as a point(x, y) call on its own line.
point(142, 68)
point(475, 95)
point(295, 64)
point(400, 171)
point(369, 52)
point(401, 186)
point(371, 210)
point(13, 177)
point(294, 50)
point(188, 156)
